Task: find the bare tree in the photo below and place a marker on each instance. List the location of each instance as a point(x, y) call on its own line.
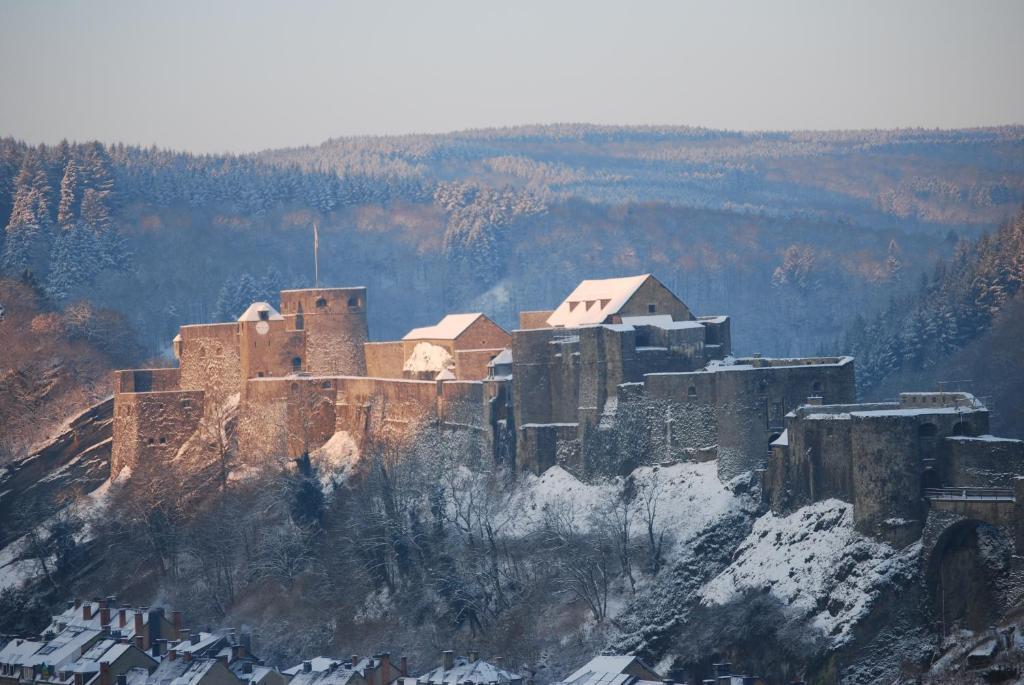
point(649, 493)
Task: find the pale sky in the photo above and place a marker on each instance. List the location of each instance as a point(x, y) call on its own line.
point(212, 76)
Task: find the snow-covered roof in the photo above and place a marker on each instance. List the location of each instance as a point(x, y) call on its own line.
point(445, 375)
point(607, 670)
point(254, 310)
point(448, 328)
point(206, 641)
point(18, 651)
point(466, 671)
point(663, 321)
point(502, 359)
point(66, 646)
point(317, 663)
point(593, 301)
point(782, 440)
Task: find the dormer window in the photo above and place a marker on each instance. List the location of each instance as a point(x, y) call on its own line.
point(573, 305)
point(604, 303)
point(651, 308)
point(264, 315)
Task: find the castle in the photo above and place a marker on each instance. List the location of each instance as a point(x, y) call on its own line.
point(563, 388)
point(620, 373)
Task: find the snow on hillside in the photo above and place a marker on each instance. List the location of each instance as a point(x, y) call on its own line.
point(690, 497)
point(336, 458)
point(816, 563)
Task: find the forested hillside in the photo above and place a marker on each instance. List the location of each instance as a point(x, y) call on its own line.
point(793, 234)
point(958, 328)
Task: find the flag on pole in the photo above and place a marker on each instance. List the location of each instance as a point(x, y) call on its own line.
point(316, 255)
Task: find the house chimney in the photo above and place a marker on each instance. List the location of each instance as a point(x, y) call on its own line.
point(307, 666)
point(194, 637)
point(154, 649)
point(183, 634)
point(187, 656)
point(140, 643)
point(355, 660)
point(172, 654)
point(448, 659)
point(404, 665)
point(79, 679)
point(385, 668)
point(104, 615)
point(237, 652)
point(78, 602)
point(105, 673)
point(176, 621)
point(139, 627)
point(87, 612)
point(122, 617)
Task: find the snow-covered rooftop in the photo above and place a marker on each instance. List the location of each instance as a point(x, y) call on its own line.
point(593, 301)
point(663, 321)
point(466, 671)
point(448, 328)
point(605, 670)
point(260, 311)
point(503, 358)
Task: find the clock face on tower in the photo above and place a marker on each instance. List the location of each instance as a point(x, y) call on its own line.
point(262, 327)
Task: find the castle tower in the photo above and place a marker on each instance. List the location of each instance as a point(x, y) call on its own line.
point(266, 348)
point(334, 321)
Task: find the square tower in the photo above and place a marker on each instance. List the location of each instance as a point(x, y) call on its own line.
point(334, 322)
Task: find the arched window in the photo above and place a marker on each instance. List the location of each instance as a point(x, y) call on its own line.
point(321, 303)
point(762, 386)
point(962, 428)
point(300, 320)
point(296, 363)
point(816, 387)
point(691, 392)
point(353, 301)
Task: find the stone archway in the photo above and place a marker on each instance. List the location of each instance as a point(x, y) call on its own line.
point(964, 558)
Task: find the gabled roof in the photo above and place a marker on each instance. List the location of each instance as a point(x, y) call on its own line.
point(609, 670)
point(466, 671)
point(253, 312)
point(593, 301)
point(448, 328)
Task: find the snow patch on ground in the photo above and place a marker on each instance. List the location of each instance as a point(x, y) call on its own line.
point(690, 497)
point(336, 458)
point(427, 357)
point(814, 562)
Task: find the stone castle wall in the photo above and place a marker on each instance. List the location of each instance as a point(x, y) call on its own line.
point(984, 462)
point(210, 359)
point(384, 359)
point(152, 426)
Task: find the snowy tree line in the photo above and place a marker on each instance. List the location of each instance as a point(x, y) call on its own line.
point(951, 307)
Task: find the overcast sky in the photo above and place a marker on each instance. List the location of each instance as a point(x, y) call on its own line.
point(238, 76)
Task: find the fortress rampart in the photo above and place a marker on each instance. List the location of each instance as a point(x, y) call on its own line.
point(621, 373)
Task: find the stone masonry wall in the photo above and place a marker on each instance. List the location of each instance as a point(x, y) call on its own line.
point(152, 425)
point(384, 359)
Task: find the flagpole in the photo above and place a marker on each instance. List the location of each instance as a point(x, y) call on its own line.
point(316, 255)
